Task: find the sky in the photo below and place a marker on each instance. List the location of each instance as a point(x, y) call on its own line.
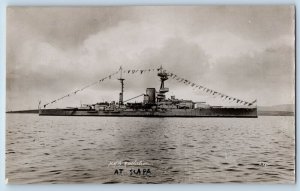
point(246, 52)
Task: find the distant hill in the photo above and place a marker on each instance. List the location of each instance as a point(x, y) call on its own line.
point(275, 110)
point(283, 109)
point(24, 111)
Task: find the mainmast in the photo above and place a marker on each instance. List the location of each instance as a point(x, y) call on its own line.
point(122, 87)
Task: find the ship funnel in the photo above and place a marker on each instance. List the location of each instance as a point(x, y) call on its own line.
point(150, 92)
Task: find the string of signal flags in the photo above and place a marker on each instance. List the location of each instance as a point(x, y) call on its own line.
point(110, 76)
point(208, 90)
point(170, 75)
point(81, 89)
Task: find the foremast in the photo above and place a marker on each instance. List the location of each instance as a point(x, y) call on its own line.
point(163, 77)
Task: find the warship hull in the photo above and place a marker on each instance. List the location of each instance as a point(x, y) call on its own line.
point(205, 112)
point(155, 104)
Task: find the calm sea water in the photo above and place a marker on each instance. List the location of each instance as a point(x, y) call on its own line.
point(44, 149)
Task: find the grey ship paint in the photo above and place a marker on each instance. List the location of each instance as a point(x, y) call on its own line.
point(155, 104)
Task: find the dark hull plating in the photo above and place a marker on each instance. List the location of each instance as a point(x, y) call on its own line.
point(205, 112)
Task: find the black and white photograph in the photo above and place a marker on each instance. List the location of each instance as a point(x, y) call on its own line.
point(150, 94)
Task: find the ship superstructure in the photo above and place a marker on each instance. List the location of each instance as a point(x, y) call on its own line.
point(155, 103)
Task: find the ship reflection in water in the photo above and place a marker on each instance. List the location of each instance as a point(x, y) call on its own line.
point(78, 149)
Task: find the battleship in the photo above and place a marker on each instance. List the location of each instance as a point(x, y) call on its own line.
point(155, 104)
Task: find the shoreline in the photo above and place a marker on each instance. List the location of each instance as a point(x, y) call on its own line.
point(259, 113)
